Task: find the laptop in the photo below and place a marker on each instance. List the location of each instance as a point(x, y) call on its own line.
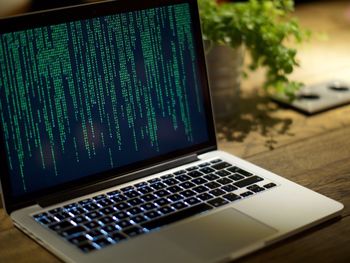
point(108, 142)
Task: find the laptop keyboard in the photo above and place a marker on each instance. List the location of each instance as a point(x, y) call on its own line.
point(109, 218)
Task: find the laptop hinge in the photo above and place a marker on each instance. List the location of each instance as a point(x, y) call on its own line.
point(60, 197)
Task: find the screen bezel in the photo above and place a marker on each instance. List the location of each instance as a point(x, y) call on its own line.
point(86, 11)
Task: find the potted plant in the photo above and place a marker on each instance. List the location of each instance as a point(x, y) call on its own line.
point(263, 28)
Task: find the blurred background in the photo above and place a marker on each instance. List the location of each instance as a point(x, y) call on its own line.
point(13, 7)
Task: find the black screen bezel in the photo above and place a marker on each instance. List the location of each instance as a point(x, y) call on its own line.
point(62, 15)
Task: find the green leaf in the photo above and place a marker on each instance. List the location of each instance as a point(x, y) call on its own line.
point(263, 27)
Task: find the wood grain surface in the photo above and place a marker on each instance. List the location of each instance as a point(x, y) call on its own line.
point(313, 151)
point(321, 163)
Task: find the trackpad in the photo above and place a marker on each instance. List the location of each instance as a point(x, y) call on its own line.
point(217, 235)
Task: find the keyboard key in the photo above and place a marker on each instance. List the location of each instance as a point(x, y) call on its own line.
point(154, 180)
point(245, 173)
point(79, 219)
point(175, 197)
point(270, 185)
point(200, 189)
point(126, 189)
point(223, 173)
point(192, 201)
point(40, 215)
point(205, 196)
point(166, 210)
point(182, 214)
point(207, 170)
point(121, 206)
point(231, 197)
point(145, 190)
point(148, 197)
point(61, 225)
point(187, 193)
point(224, 181)
point(187, 185)
point(91, 207)
point(44, 221)
point(229, 188)
point(245, 194)
point(47, 220)
point(220, 166)
point(255, 188)
point(124, 224)
point(108, 229)
point(199, 181)
point(135, 202)
point(87, 247)
point(217, 202)
point(98, 197)
point(138, 219)
point(212, 185)
point(180, 172)
point(162, 201)
point(107, 210)
point(120, 215)
point(152, 214)
point(72, 231)
point(167, 176)
point(113, 193)
point(149, 206)
point(133, 231)
point(248, 181)
point(71, 206)
point(78, 239)
point(106, 220)
point(85, 201)
point(204, 164)
point(216, 161)
point(141, 184)
point(158, 186)
point(94, 215)
point(183, 178)
point(132, 194)
point(174, 189)
point(179, 205)
point(77, 211)
point(134, 210)
point(217, 192)
point(162, 193)
point(92, 224)
point(211, 177)
point(93, 234)
point(240, 171)
point(103, 242)
point(104, 202)
point(170, 182)
point(192, 168)
point(118, 198)
point(236, 177)
point(195, 174)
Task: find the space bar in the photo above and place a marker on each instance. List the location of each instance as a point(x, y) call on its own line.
point(176, 216)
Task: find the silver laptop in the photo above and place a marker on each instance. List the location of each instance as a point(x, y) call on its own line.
point(108, 142)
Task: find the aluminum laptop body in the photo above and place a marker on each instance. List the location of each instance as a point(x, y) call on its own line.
point(106, 112)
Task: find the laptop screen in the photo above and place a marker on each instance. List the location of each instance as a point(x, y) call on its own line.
point(88, 96)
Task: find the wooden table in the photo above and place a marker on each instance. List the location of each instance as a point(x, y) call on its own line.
point(312, 151)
